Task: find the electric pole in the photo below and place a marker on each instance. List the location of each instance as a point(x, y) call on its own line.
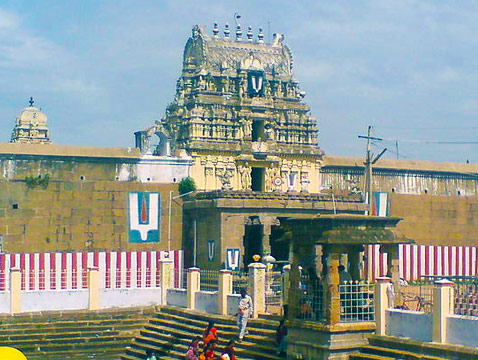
point(369, 161)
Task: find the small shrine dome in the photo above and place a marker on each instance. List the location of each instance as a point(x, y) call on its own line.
point(32, 115)
point(31, 126)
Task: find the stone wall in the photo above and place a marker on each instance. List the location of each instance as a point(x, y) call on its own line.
point(437, 220)
point(77, 216)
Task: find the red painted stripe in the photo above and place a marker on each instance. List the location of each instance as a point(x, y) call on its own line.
point(404, 257)
point(74, 271)
point(96, 259)
point(148, 269)
point(139, 269)
point(128, 269)
point(427, 260)
point(157, 256)
point(63, 271)
point(118, 270)
point(2, 272)
point(470, 261)
point(41, 267)
point(373, 262)
point(412, 262)
point(31, 272)
point(84, 270)
point(419, 262)
point(444, 253)
point(22, 267)
point(108, 270)
point(52, 271)
point(462, 265)
point(12, 260)
point(176, 268)
point(435, 260)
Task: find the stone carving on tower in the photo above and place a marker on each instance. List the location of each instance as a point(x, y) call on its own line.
point(31, 126)
point(238, 99)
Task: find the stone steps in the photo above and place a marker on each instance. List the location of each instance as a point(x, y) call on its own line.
point(74, 335)
point(171, 330)
point(395, 348)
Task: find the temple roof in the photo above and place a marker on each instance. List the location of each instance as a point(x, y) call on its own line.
point(216, 54)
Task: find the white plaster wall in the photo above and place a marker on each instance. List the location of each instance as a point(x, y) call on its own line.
point(177, 297)
point(411, 324)
point(162, 169)
point(462, 330)
point(32, 301)
point(119, 298)
point(233, 303)
point(4, 302)
point(207, 301)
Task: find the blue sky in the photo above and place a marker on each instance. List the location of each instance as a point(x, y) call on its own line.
point(103, 69)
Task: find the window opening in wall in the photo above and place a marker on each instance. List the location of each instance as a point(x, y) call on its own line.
point(393, 190)
point(82, 177)
point(459, 192)
point(257, 176)
point(14, 206)
point(258, 130)
point(148, 179)
point(174, 179)
point(116, 178)
point(425, 191)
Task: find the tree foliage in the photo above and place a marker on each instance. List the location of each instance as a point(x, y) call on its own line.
point(186, 185)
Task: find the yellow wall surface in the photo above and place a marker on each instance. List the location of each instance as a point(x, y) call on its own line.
point(78, 216)
point(437, 220)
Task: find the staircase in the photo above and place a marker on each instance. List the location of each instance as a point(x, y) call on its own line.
point(171, 331)
point(65, 335)
point(395, 348)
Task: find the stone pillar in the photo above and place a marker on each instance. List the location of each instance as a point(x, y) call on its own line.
point(332, 294)
point(285, 284)
point(381, 303)
point(442, 307)
point(225, 289)
point(354, 261)
point(194, 285)
point(93, 288)
point(256, 287)
point(167, 278)
point(15, 290)
point(393, 269)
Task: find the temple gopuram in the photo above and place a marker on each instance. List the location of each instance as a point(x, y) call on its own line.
point(239, 113)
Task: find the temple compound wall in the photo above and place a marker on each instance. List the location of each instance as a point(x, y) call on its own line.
point(437, 201)
point(67, 198)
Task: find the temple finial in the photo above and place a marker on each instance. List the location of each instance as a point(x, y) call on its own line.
point(260, 36)
point(31, 101)
point(215, 31)
point(227, 31)
point(238, 33)
point(250, 35)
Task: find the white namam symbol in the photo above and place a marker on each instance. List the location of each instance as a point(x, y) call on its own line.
point(256, 83)
point(148, 216)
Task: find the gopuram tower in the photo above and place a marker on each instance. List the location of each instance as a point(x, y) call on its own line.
point(239, 113)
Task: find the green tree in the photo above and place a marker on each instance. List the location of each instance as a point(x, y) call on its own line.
point(186, 185)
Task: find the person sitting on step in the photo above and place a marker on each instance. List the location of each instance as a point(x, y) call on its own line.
point(210, 333)
point(229, 352)
point(193, 350)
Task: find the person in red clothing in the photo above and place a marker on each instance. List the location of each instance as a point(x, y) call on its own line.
point(210, 333)
point(209, 350)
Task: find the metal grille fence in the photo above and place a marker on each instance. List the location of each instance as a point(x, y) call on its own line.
point(273, 292)
point(180, 278)
point(466, 297)
point(210, 280)
point(240, 281)
point(357, 301)
point(310, 304)
point(415, 295)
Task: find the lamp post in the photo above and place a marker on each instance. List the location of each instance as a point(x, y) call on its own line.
point(171, 198)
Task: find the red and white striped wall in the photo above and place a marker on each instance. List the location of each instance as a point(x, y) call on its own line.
point(68, 271)
point(422, 260)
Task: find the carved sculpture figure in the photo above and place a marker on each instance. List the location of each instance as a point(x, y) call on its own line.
point(225, 178)
point(246, 178)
